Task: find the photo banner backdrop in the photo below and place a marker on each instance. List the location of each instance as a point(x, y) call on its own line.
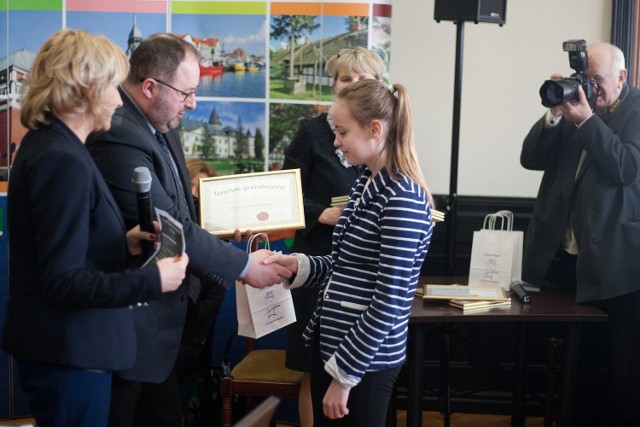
point(261, 71)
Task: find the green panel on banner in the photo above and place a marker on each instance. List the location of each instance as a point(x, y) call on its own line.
point(219, 8)
point(35, 5)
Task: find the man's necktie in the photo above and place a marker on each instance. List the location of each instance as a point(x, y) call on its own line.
point(194, 283)
point(182, 200)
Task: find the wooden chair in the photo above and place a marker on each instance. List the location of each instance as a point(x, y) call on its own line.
point(261, 373)
point(262, 415)
point(18, 422)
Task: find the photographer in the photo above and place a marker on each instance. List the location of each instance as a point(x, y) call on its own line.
point(587, 217)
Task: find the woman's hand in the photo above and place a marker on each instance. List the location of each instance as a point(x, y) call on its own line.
point(290, 262)
point(135, 236)
point(330, 216)
point(172, 271)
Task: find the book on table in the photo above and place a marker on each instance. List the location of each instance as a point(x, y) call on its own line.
point(466, 298)
point(463, 292)
point(475, 305)
point(339, 201)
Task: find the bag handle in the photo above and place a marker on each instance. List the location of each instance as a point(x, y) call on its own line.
point(252, 240)
point(506, 218)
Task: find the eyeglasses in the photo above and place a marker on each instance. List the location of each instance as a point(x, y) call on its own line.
point(186, 95)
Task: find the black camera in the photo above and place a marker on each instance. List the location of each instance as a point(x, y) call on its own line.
point(558, 91)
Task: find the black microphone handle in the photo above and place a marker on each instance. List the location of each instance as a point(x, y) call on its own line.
point(145, 216)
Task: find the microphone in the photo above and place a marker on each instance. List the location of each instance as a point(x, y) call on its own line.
point(142, 183)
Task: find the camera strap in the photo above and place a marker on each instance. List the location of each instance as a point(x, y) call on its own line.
point(623, 94)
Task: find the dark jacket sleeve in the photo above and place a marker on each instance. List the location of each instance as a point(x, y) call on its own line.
point(538, 146)
point(129, 145)
point(299, 154)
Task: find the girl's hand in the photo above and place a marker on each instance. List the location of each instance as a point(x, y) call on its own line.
point(334, 404)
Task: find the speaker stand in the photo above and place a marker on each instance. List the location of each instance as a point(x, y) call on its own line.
point(451, 222)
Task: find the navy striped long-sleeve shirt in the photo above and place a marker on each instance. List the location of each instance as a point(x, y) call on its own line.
point(370, 277)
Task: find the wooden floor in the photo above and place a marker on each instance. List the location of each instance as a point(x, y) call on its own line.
point(23, 422)
point(429, 419)
point(435, 419)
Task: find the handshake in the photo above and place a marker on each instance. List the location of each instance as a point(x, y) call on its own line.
point(267, 268)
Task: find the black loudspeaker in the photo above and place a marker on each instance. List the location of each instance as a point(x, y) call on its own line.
point(493, 11)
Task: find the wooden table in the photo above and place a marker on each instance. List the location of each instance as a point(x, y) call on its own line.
point(545, 306)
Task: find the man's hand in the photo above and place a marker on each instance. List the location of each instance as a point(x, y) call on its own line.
point(261, 274)
point(239, 237)
point(577, 111)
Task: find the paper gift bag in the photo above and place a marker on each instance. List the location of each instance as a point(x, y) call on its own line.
point(496, 253)
point(261, 311)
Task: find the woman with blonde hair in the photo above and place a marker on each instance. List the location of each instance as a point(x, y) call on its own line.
point(69, 317)
point(358, 330)
point(325, 173)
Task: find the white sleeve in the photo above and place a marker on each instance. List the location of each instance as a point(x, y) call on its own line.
point(550, 120)
point(304, 269)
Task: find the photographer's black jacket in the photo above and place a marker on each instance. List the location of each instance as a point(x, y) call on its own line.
point(602, 201)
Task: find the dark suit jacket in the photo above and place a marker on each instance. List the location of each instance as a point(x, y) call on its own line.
point(69, 293)
point(602, 201)
point(131, 143)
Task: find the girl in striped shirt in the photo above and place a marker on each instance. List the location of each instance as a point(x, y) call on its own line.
point(359, 328)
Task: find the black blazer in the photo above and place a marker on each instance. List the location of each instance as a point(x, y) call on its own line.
point(322, 176)
point(69, 293)
point(131, 143)
point(602, 201)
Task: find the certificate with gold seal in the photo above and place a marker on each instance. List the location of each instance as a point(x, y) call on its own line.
point(260, 201)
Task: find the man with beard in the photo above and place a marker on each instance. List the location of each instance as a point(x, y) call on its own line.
point(159, 89)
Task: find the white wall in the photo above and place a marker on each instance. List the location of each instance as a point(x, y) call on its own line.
point(503, 68)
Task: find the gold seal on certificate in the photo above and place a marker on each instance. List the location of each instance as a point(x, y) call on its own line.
point(261, 201)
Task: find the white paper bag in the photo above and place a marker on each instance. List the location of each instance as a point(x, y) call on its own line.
point(496, 253)
point(261, 311)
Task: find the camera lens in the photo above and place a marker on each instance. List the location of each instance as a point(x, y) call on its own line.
point(556, 92)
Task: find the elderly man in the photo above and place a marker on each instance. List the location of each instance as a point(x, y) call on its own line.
point(587, 216)
point(159, 89)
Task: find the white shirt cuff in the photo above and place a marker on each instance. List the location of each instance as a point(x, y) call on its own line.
point(550, 120)
point(304, 269)
point(345, 380)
